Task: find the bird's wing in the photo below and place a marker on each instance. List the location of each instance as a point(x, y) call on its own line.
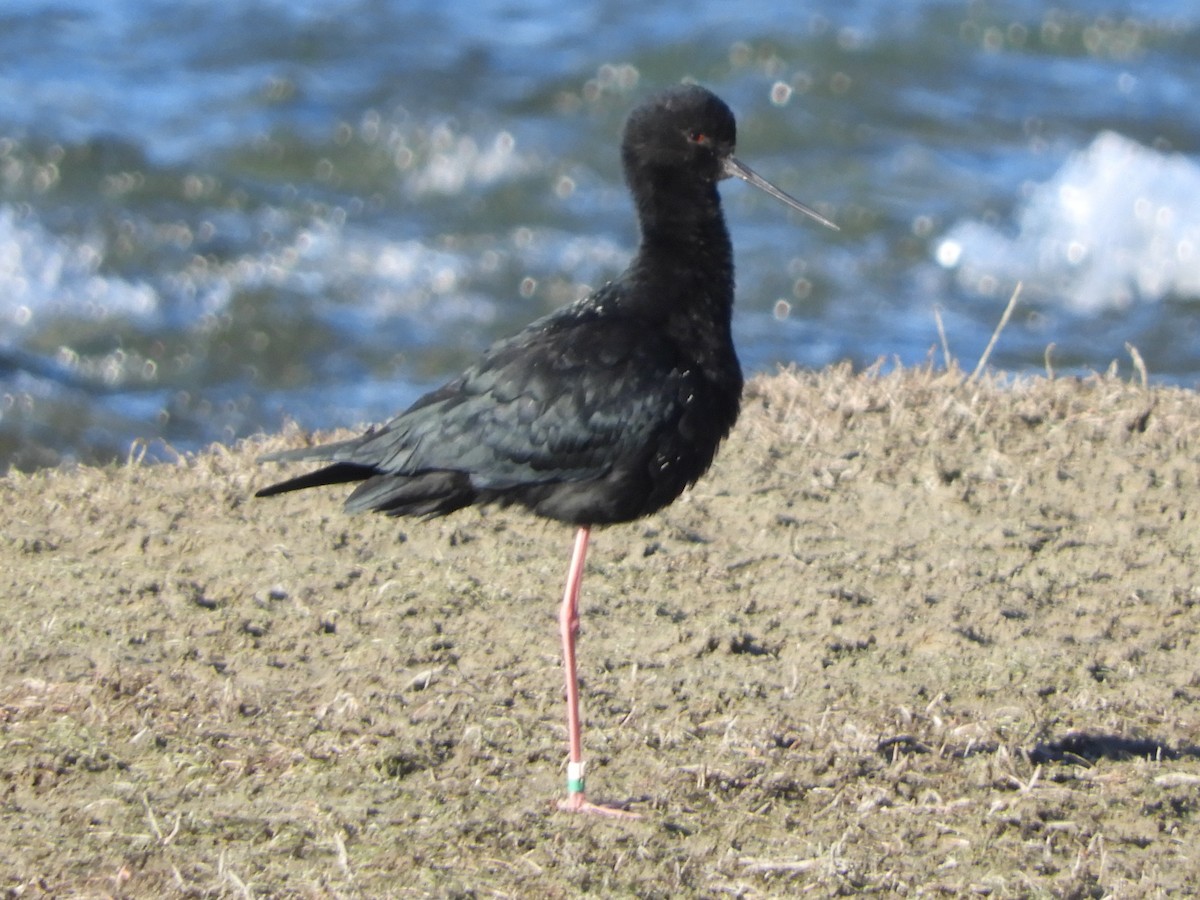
point(565, 400)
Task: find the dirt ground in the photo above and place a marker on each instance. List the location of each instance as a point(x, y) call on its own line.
point(910, 636)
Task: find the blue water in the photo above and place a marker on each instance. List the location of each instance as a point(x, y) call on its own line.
point(216, 216)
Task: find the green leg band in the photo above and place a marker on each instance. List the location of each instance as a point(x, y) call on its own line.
point(574, 778)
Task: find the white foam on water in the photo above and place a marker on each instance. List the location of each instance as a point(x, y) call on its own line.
point(355, 278)
point(1119, 223)
point(360, 280)
point(372, 279)
point(45, 276)
point(457, 163)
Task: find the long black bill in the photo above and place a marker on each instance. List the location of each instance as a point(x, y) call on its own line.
point(740, 170)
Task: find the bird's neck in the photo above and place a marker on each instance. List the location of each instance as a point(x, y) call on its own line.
point(698, 263)
point(685, 244)
point(670, 207)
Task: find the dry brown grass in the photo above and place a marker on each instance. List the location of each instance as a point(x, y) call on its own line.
point(913, 635)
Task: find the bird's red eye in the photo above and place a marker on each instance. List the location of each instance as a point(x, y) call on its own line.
point(698, 137)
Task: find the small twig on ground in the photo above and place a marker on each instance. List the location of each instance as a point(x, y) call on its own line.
point(152, 819)
point(163, 839)
point(1139, 364)
point(759, 866)
point(987, 351)
point(229, 875)
point(941, 327)
point(343, 858)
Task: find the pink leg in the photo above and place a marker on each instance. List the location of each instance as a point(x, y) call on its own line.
point(568, 622)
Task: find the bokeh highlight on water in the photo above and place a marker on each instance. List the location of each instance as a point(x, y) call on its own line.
point(217, 216)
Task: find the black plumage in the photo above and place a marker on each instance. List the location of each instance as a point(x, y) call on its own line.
point(589, 416)
point(601, 412)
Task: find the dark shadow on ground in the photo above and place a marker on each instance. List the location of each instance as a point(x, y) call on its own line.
point(1081, 747)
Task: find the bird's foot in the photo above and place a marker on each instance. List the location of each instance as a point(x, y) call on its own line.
point(579, 803)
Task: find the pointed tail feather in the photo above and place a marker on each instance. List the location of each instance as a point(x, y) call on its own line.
point(427, 493)
point(338, 473)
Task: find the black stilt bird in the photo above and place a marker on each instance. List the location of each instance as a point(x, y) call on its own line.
point(603, 411)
